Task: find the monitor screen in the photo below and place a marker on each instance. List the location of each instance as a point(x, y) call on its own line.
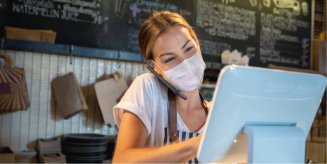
point(258, 96)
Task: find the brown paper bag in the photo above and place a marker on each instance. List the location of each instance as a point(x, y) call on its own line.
point(108, 93)
point(13, 88)
point(68, 95)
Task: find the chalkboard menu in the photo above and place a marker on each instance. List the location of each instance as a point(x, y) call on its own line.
point(93, 23)
point(268, 31)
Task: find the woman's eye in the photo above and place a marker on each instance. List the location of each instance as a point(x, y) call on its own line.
point(189, 49)
point(169, 60)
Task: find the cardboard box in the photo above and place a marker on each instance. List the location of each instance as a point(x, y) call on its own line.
point(318, 129)
point(319, 56)
point(53, 158)
point(48, 36)
point(316, 152)
point(49, 146)
point(6, 155)
point(322, 57)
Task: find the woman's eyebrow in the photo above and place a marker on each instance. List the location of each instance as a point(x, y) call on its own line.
point(185, 44)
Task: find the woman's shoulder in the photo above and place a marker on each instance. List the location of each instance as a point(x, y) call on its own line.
point(145, 77)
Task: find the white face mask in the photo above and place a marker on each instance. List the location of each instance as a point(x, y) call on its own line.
point(188, 75)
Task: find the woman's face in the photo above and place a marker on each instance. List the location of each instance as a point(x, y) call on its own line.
point(173, 46)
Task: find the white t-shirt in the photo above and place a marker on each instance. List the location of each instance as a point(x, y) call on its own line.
point(147, 98)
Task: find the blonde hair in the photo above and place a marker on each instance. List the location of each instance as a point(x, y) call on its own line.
point(157, 23)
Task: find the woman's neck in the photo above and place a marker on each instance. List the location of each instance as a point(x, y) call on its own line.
point(193, 101)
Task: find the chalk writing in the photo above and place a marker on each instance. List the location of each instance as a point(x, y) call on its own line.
point(225, 21)
point(279, 39)
point(132, 40)
point(282, 23)
point(213, 48)
point(72, 10)
point(141, 9)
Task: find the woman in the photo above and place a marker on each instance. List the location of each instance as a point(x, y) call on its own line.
point(171, 47)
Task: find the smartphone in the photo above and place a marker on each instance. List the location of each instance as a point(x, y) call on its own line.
point(166, 83)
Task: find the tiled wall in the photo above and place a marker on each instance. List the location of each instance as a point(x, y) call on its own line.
point(20, 130)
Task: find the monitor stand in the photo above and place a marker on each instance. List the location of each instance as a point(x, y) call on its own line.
point(275, 144)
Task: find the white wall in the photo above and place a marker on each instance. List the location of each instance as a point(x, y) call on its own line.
point(20, 130)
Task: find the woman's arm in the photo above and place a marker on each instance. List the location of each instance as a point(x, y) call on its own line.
point(131, 141)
